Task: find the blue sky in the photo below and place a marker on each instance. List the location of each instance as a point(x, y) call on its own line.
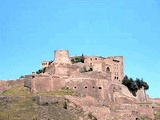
point(30, 31)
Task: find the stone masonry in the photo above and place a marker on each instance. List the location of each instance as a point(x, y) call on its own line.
point(98, 89)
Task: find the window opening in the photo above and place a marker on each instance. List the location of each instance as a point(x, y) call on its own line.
point(108, 69)
point(99, 87)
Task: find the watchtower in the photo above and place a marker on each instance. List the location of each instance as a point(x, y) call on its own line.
point(62, 56)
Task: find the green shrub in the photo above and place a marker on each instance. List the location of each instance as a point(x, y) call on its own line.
point(134, 85)
point(65, 105)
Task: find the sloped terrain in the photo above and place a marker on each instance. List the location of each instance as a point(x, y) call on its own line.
point(157, 113)
point(17, 103)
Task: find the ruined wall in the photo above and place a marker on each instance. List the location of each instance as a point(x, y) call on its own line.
point(141, 95)
point(12, 83)
point(4, 85)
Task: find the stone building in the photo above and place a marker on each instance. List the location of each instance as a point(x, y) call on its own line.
point(100, 83)
point(111, 64)
point(99, 92)
point(114, 65)
point(44, 64)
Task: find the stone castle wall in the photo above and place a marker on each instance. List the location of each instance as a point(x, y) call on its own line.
point(61, 56)
point(4, 85)
point(40, 83)
point(110, 64)
point(101, 84)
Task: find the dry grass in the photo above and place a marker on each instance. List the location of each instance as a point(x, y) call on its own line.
point(23, 91)
point(58, 93)
point(157, 114)
point(22, 106)
point(17, 91)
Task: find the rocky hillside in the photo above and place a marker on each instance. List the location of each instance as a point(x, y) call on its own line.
point(17, 103)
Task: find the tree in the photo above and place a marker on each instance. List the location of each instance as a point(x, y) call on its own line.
point(134, 85)
point(138, 82)
point(72, 60)
point(65, 106)
point(21, 76)
point(78, 59)
point(145, 85)
point(82, 58)
point(127, 81)
point(41, 71)
point(141, 83)
point(84, 69)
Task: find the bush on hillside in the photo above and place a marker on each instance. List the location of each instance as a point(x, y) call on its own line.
point(134, 85)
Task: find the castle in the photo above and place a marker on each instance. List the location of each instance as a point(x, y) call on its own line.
point(100, 86)
point(102, 82)
point(112, 65)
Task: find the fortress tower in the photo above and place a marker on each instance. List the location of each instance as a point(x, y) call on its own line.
point(62, 56)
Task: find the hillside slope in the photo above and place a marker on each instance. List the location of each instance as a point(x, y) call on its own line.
point(17, 103)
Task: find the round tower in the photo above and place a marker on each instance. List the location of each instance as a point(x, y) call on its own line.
point(62, 56)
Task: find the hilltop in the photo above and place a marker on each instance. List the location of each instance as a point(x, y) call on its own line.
point(90, 88)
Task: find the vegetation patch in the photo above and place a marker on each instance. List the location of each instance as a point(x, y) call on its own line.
point(17, 91)
point(41, 71)
point(20, 104)
point(92, 117)
point(58, 93)
point(144, 118)
point(134, 85)
point(24, 106)
point(78, 59)
point(157, 114)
